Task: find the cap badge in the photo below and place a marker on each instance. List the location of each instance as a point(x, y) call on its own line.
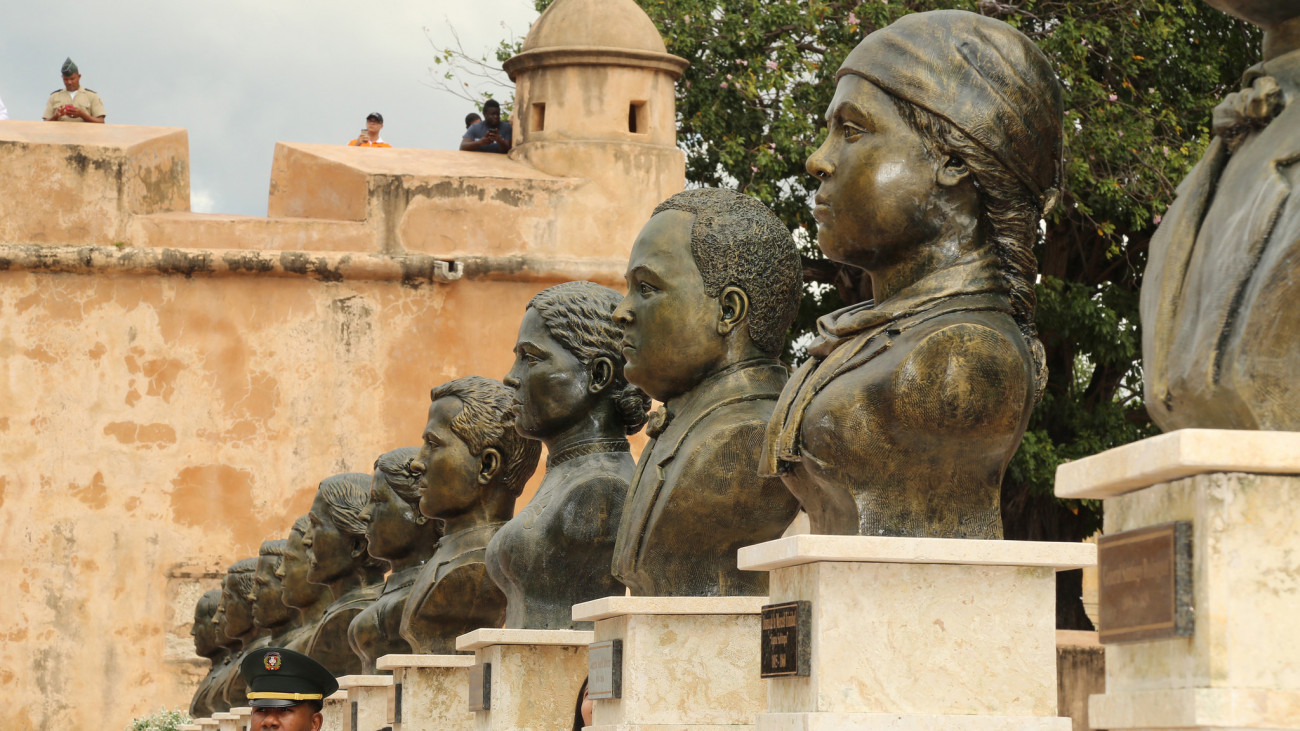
point(271, 661)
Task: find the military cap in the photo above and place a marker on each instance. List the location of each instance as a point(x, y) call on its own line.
point(69, 68)
point(279, 678)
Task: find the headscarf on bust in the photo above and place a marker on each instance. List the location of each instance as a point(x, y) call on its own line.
point(993, 85)
point(983, 76)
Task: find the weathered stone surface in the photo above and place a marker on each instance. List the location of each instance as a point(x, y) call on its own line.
point(536, 675)
point(906, 635)
point(688, 662)
point(432, 691)
point(81, 184)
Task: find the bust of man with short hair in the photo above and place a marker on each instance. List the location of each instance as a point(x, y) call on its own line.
point(475, 465)
point(713, 286)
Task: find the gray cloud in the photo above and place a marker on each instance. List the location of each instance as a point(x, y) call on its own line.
point(241, 75)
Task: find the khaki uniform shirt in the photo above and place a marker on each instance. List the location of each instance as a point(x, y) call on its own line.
point(86, 100)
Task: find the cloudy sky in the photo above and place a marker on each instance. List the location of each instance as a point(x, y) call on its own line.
point(241, 75)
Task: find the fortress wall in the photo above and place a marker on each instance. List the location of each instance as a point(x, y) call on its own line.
point(173, 386)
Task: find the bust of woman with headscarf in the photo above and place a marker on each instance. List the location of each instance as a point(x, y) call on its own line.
point(943, 153)
point(570, 394)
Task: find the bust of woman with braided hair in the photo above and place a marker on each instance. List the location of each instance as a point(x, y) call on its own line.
point(943, 153)
point(570, 394)
point(396, 532)
point(337, 557)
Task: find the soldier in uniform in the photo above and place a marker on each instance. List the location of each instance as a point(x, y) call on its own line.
point(286, 689)
point(73, 103)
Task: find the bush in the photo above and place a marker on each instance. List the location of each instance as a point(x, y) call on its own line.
point(163, 720)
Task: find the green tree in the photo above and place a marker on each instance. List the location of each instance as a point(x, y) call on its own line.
point(1141, 78)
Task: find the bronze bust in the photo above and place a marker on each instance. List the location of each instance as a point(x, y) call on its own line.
point(206, 645)
point(337, 557)
point(713, 286)
point(311, 600)
point(397, 532)
point(234, 618)
point(270, 613)
point(570, 394)
point(1220, 299)
point(475, 465)
point(943, 153)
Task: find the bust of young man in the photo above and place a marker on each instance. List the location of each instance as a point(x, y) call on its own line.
point(713, 286)
point(475, 465)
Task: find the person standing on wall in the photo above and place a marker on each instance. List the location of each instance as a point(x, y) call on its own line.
point(490, 135)
point(73, 103)
point(369, 136)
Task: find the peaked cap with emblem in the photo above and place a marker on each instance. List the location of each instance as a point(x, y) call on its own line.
point(279, 678)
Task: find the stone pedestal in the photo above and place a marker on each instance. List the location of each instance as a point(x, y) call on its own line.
point(189, 727)
point(207, 724)
point(535, 676)
point(687, 662)
point(337, 712)
point(429, 692)
point(1240, 668)
point(367, 701)
point(245, 714)
point(226, 721)
point(918, 634)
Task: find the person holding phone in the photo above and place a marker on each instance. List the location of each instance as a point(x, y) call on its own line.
point(73, 103)
point(369, 136)
point(490, 135)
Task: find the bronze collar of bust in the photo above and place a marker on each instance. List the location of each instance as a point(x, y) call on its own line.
point(584, 448)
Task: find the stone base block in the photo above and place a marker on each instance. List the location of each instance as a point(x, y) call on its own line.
point(429, 692)
point(1209, 709)
point(536, 675)
point(908, 722)
point(227, 721)
point(688, 662)
point(1240, 668)
point(919, 630)
point(337, 712)
point(367, 701)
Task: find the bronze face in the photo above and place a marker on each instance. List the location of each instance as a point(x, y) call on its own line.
point(204, 631)
point(671, 337)
point(296, 590)
point(453, 482)
point(269, 609)
point(236, 611)
point(330, 554)
point(872, 154)
point(391, 530)
point(552, 387)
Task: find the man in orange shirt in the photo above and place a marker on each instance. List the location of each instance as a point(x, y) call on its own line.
point(369, 136)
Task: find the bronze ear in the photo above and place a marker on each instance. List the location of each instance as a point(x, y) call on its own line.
point(601, 373)
point(735, 308)
point(489, 465)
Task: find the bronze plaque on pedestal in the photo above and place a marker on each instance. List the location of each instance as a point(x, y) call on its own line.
point(1145, 579)
point(605, 670)
point(480, 686)
point(787, 640)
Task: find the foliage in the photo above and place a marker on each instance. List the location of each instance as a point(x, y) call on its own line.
point(163, 720)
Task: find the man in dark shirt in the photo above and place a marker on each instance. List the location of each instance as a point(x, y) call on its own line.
point(490, 135)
